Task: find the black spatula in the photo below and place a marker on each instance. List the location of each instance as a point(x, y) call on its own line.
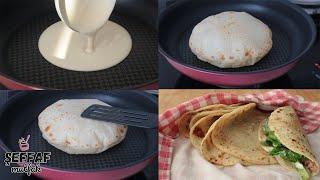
point(121, 116)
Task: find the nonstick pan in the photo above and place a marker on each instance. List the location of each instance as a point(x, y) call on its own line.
point(293, 31)
point(127, 158)
point(23, 67)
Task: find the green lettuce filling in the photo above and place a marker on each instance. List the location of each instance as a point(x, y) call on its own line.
point(280, 150)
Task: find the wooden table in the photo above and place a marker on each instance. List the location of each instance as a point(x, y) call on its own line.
point(171, 98)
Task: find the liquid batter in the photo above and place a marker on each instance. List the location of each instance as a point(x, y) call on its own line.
point(85, 40)
point(68, 49)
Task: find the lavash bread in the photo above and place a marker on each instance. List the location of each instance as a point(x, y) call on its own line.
point(285, 124)
point(211, 153)
point(192, 117)
point(63, 127)
point(236, 134)
point(200, 128)
point(200, 139)
point(231, 40)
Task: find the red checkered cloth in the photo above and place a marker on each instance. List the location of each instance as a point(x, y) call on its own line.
point(308, 112)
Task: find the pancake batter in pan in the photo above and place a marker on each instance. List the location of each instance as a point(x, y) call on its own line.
point(85, 40)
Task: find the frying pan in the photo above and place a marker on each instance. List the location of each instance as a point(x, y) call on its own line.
point(23, 67)
point(293, 31)
point(306, 2)
point(127, 158)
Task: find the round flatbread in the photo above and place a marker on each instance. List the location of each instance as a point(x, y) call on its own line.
point(200, 128)
point(63, 127)
point(186, 121)
point(236, 133)
point(231, 40)
point(286, 126)
point(214, 155)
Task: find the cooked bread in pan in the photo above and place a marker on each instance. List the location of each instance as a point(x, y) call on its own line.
point(231, 40)
point(63, 127)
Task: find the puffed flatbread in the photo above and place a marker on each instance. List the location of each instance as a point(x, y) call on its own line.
point(63, 127)
point(231, 40)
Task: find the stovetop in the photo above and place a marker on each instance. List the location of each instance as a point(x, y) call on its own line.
point(304, 75)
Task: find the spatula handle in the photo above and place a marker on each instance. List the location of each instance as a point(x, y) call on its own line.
point(121, 116)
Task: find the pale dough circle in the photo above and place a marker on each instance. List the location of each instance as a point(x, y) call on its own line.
point(65, 48)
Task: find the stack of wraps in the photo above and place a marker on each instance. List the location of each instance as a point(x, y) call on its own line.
point(229, 134)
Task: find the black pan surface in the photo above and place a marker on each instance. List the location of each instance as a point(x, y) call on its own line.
point(22, 23)
point(293, 31)
point(139, 144)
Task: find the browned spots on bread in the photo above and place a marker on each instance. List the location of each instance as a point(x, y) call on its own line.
point(231, 57)
point(120, 130)
point(47, 128)
point(213, 160)
point(50, 134)
point(248, 53)
point(222, 57)
point(221, 155)
point(67, 142)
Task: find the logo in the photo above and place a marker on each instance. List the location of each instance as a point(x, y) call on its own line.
point(23, 144)
point(25, 161)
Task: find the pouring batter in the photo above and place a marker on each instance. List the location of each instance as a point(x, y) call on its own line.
point(85, 40)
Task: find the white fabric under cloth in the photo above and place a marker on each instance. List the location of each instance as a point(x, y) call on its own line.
point(187, 163)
